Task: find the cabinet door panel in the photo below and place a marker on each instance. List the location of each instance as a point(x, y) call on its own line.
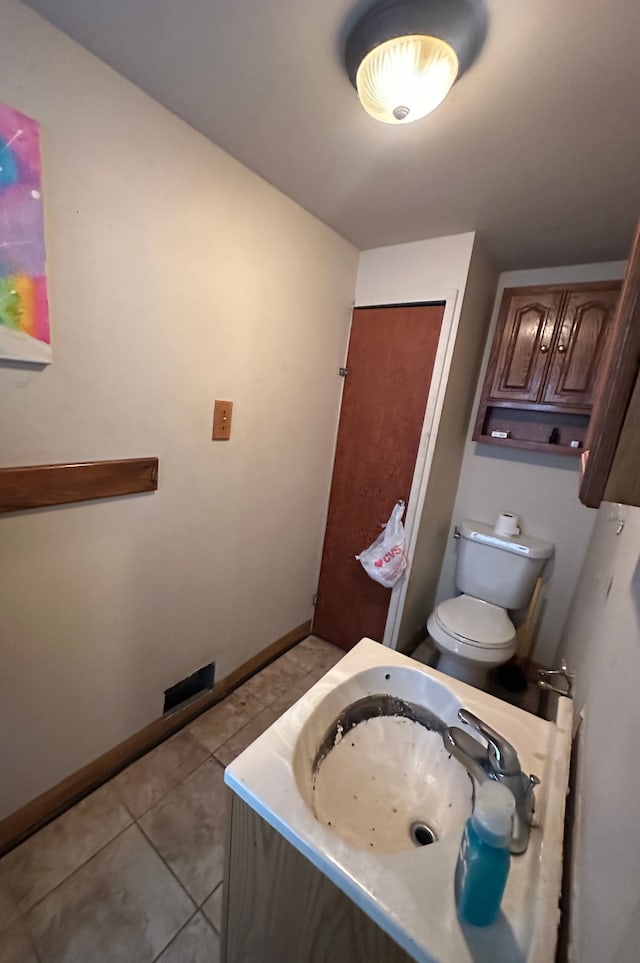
point(579, 347)
point(525, 345)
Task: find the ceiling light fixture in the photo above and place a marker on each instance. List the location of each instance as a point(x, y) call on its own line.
point(403, 56)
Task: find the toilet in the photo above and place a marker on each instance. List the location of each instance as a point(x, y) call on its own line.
point(473, 632)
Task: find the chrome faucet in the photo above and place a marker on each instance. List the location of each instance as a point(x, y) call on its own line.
point(497, 760)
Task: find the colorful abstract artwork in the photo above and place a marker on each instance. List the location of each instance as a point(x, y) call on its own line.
point(24, 312)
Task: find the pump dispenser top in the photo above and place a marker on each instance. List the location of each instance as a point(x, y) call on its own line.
point(493, 813)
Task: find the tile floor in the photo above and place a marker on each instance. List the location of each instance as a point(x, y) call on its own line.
point(133, 873)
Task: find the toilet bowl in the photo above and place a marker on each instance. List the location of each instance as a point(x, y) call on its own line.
point(496, 574)
point(472, 637)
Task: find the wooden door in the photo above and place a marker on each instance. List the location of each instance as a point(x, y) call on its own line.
point(523, 342)
point(580, 346)
point(390, 362)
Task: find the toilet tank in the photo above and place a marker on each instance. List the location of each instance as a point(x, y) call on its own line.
point(498, 568)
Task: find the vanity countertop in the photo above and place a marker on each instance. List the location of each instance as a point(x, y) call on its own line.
point(409, 893)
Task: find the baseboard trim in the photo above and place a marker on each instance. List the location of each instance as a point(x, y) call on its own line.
point(41, 810)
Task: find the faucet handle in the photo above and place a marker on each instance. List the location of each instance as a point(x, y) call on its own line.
point(504, 757)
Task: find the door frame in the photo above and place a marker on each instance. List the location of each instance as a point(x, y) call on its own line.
point(426, 448)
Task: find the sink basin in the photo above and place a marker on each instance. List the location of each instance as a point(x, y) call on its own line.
point(370, 729)
point(372, 767)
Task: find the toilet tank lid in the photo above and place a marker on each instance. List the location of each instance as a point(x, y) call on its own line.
point(518, 544)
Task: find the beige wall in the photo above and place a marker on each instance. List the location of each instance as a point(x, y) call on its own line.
point(542, 488)
point(602, 647)
point(176, 276)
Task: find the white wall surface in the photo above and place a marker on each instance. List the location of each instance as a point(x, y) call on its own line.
point(542, 488)
point(417, 271)
point(602, 646)
point(439, 499)
point(175, 276)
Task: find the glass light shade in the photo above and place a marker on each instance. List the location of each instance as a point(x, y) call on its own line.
point(406, 78)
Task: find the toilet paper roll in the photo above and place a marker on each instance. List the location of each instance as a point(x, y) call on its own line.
point(507, 524)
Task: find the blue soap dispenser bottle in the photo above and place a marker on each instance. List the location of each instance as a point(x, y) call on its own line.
point(483, 860)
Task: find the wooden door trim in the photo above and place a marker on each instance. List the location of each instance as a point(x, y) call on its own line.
point(430, 303)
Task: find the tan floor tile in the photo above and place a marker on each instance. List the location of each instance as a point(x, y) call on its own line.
point(248, 695)
point(313, 654)
point(316, 674)
point(296, 691)
point(187, 829)
point(272, 682)
point(196, 943)
point(142, 784)
point(248, 699)
point(245, 736)
point(213, 908)
point(46, 859)
point(123, 905)
point(15, 946)
point(218, 724)
point(290, 664)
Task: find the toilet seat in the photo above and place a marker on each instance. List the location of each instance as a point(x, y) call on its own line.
point(474, 622)
point(472, 637)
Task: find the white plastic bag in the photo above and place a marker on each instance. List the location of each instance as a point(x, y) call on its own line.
point(385, 560)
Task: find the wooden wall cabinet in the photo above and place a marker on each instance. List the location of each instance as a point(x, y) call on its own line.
point(611, 461)
point(544, 362)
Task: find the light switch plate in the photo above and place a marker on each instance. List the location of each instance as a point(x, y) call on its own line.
point(222, 411)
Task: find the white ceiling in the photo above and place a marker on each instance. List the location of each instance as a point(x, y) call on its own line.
point(537, 147)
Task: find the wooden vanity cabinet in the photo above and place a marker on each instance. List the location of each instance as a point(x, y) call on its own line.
point(278, 908)
point(543, 367)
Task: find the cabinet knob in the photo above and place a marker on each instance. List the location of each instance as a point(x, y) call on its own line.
point(562, 348)
point(544, 348)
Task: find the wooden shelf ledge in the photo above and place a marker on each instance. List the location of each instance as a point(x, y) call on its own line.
point(528, 445)
point(39, 486)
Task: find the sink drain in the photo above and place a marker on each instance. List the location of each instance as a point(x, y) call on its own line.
point(421, 834)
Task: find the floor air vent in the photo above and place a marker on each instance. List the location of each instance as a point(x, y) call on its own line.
point(190, 688)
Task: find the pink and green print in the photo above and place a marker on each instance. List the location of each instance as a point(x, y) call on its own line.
point(24, 312)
